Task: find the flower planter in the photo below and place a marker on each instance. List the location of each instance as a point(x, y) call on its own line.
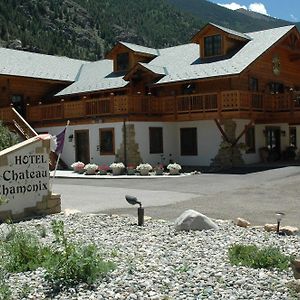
point(174, 172)
point(116, 171)
point(78, 170)
point(144, 172)
point(90, 172)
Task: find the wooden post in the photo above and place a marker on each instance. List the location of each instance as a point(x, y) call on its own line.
point(221, 130)
point(242, 133)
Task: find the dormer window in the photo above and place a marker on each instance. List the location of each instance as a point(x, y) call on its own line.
point(123, 61)
point(213, 45)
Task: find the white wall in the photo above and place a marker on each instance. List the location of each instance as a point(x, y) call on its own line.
point(208, 138)
point(68, 154)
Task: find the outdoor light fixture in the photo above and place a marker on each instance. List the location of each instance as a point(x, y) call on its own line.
point(279, 216)
point(71, 136)
point(133, 200)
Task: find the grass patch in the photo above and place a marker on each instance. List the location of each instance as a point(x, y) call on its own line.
point(251, 256)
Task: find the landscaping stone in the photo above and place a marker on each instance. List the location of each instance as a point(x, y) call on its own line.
point(193, 220)
point(289, 230)
point(5, 230)
point(270, 227)
point(156, 262)
point(242, 222)
point(296, 268)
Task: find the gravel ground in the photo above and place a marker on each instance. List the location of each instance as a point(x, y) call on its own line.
point(155, 262)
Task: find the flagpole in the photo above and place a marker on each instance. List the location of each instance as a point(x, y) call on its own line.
point(57, 162)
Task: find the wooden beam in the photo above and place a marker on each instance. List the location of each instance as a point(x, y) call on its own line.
point(221, 130)
point(242, 133)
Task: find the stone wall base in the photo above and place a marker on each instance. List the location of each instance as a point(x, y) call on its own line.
point(49, 205)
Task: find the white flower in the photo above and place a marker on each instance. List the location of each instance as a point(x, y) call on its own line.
point(117, 166)
point(174, 166)
point(91, 167)
point(144, 167)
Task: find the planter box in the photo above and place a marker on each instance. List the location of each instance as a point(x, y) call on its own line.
point(116, 171)
point(174, 172)
point(144, 172)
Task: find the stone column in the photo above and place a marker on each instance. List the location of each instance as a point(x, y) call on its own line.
point(132, 148)
point(228, 155)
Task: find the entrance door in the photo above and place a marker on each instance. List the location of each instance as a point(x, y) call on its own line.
point(82, 146)
point(273, 142)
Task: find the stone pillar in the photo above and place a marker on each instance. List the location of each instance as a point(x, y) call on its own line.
point(132, 148)
point(228, 155)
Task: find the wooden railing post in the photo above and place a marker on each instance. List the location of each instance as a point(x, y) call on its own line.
point(175, 108)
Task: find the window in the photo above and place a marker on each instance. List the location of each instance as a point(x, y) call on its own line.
point(212, 45)
point(107, 141)
point(253, 84)
point(188, 141)
point(250, 139)
point(123, 61)
point(156, 139)
point(293, 137)
point(276, 88)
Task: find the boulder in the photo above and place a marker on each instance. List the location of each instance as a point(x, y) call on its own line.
point(289, 230)
point(193, 220)
point(242, 222)
point(296, 267)
point(270, 227)
point(5, 231)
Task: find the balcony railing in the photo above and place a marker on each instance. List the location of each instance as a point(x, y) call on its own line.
point(223, 102)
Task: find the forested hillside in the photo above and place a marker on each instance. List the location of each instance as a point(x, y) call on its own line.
point(87, 29)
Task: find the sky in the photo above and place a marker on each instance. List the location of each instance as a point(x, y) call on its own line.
point(283, 9)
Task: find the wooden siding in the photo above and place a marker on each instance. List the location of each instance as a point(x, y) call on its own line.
point(31, 90)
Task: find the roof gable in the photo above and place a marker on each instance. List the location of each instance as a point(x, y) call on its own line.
point(231, 33)
point(141, 50)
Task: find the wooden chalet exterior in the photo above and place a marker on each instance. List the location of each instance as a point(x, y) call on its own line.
point(173, 102)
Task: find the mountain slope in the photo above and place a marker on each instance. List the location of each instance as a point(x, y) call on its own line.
point(87, 29)
point(240, 21)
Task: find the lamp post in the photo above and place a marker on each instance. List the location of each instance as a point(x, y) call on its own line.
point(279, 216)
point(133, 200)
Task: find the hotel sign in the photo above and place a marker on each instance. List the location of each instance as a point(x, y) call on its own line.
point(24, 176)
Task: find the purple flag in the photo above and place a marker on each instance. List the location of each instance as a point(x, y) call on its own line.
point(60, 140)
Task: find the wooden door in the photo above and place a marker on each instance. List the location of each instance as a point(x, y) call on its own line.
point(273, 135)
point(82, 146)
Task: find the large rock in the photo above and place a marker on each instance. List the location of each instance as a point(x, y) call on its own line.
point(242, 222)
point(296, 267)
point(193, 220)
point(289, 230)
point(5, 231)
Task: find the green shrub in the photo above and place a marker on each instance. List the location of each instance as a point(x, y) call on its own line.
point(5, 292)
point(74, 263)
point(22, 252)
point(7, 138)
point(66, 263)
point(251, 256)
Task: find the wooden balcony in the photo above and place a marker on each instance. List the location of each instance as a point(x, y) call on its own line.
point(183, 107)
